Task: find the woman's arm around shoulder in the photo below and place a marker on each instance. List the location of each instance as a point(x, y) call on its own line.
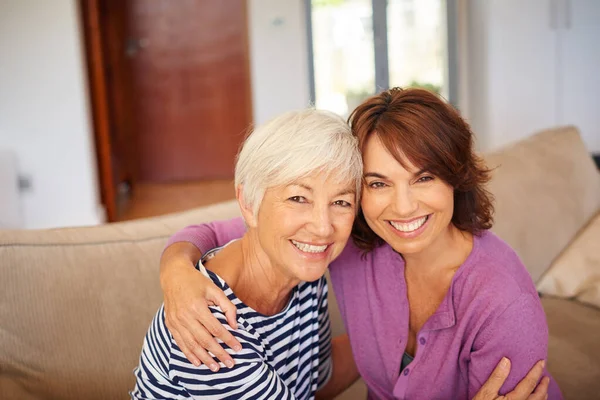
point(210, 235)
point(188, 293)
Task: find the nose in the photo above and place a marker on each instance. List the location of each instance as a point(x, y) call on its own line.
point(321, 222)
point(406, 204)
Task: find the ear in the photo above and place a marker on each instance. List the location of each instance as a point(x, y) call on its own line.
point(246, 209)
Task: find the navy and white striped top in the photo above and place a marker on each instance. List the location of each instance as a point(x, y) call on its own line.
point(284, 356)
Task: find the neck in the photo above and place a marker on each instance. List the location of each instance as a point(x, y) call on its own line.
point(448, 252)
point(252, 277)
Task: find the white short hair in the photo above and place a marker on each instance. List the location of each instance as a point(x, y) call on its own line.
point(295, 145)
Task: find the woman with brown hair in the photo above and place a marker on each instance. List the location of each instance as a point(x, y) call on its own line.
point(430, 298)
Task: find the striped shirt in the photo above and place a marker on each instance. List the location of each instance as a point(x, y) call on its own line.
point(284, 356)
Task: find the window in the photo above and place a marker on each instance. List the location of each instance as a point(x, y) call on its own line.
point(352, 61)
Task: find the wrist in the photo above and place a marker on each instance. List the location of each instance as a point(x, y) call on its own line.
point(177, 260)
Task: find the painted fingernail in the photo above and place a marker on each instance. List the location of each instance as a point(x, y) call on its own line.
point(229, 363)
point(213, 367)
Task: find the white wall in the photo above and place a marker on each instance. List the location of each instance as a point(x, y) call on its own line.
point(278, 57)
point(44, 107)
point(44, 112)
point(524, 68)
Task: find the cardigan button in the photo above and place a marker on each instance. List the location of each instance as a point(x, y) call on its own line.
point(406, 371)
point(422, 341)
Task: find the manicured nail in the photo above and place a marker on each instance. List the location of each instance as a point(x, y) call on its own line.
point(237, 347)
point(504, 362)
point(229, 363)
point(196, 363)
point(213, 367)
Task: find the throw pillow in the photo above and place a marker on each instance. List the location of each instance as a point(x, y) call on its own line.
point(576, 271)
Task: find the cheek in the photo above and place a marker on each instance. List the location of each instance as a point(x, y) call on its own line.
point(443, 201)
point(343, 222)
point(372, 205)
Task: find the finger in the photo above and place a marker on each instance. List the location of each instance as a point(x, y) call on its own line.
point(490, 388)
point(219, 298)
point(172, 328)
point(217, 350)
point(541, 391)
point(202, 336)
point(206, 358)
point(185, 335)
point(217, 330)
point(186, 350)
point(528, 384)
point(198, 349)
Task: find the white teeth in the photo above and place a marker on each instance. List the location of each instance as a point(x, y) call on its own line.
point(411, 226)
point(309, 248)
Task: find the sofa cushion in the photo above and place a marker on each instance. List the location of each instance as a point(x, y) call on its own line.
point(576, 272)
point(573, 350)
point(547, 188)
point(75, 305)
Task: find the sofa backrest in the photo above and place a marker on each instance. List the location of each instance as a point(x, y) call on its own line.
point(75, 305)
point(547, 188)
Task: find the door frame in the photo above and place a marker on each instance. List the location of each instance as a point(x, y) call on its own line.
point(104, 30)
point(90, 12)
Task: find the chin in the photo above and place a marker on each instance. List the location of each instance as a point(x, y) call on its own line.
point(414, 246)
point(311, 274)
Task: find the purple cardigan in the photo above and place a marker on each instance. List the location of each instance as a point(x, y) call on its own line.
point(491, 310)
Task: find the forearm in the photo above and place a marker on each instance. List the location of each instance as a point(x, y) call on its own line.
point(210, 235)
point(344, 368)
point(180, 256)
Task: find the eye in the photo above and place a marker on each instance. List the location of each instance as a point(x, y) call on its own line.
point(342, 203)
point(425, 178)
point(298, 199)
point(376, 185)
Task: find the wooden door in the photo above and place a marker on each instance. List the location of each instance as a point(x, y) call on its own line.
point(190, 76)
point(104, 27)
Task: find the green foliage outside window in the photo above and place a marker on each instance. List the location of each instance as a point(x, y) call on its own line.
point(424, 85)
point(325, 3)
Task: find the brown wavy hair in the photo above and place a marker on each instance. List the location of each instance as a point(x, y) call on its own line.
point(417, 125)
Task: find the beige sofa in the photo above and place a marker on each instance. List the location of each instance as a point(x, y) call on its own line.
point(75, 303)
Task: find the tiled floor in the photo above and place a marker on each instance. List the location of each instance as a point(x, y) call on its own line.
point(152, 199)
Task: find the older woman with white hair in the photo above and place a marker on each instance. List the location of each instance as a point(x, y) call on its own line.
point(297, 181)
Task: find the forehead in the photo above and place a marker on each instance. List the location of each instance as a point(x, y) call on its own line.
point(377, 158)
point(331, 179)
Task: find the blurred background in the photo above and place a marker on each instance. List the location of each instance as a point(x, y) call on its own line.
point(120, 109)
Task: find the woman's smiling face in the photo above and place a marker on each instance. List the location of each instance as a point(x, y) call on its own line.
point(303, 226)
point(408, 208)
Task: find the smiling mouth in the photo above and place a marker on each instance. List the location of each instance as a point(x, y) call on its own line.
point(309, 248)
point(411, 226)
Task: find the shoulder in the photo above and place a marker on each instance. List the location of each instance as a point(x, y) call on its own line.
point(494, 268)
point(158, 343)
point(492, 279)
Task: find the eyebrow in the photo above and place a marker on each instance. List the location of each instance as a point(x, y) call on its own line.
point(374, 175)
point(341, 193)
point(302, 186)
point(381, 176)
point(346, 191)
